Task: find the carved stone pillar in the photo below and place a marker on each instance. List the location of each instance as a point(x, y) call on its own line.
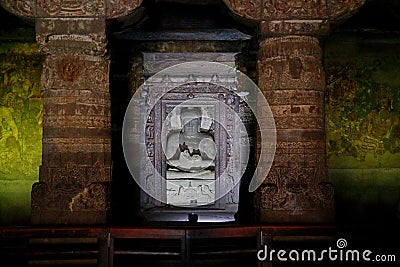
point(76, 164)
point(291, 77)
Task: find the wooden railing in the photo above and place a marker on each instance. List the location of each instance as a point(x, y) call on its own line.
point(53, 246)
point(153, 246)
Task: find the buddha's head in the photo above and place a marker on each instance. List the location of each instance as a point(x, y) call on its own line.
point(190, 120)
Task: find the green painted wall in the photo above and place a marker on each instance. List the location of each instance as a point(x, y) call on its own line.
point(20, 128)
point(363, 124)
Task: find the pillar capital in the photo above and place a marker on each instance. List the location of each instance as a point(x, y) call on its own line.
point(107, 9)
point(297, 17)
point(74, 37)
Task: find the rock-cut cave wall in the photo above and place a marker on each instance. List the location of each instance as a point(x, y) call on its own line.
point(362, 122)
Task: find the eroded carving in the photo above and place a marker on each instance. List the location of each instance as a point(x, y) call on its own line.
point(49, 6)
point(70, 8)
point(292, 79)
point(326, 194)
point(73, 44)
point(76, 122)
point(118, 8)
point(296, 9)
point(297, 16)
point(75, 73)
point(39, 195)
point(297, 188)
point(343, 9)
point(249, 9)
point(69, 70)
point(24, 8)
point(268, 190)
point(294, 27)
point(93, 197)
point(295, 67)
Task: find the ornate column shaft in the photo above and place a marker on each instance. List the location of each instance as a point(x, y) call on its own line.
point(76, 164)
point(292, 79)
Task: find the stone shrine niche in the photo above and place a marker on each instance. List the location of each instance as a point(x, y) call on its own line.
point(190, 140)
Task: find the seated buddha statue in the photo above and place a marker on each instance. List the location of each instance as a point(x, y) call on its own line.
point(190, 143)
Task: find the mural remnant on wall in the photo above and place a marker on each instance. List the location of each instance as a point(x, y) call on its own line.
point(363, 107)
point(21, 111)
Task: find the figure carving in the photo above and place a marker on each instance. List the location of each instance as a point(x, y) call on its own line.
point(69, 70)
point(192, 148)
point(274, 10)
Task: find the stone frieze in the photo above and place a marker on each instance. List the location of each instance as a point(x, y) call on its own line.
point(70, 8)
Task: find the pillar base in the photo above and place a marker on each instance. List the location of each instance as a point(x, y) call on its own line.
point(57, 217)
point(87, 206)
point(291, 216)
point(297, 203)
